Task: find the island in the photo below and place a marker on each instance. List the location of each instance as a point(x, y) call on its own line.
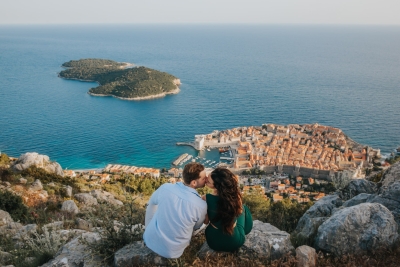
point(120, 79)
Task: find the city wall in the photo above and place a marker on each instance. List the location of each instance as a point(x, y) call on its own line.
point(309, 172)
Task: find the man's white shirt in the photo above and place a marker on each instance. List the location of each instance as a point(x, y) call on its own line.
point(173, 212)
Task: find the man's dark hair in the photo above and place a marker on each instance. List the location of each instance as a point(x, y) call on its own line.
point(192, 172)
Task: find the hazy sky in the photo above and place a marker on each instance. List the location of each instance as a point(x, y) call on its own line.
point(200, 11)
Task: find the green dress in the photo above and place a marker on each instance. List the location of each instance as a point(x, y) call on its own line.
point(219, 241)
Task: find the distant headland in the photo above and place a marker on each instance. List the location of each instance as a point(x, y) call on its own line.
point(121, 79)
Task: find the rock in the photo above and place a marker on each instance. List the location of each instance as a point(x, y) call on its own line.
point(51, 184)
point(76, 254)
point(7, 184)
point(23, 180)
point(138, 254)
point(36, 185)
point(5, 218)
point(67, 190)
point(41, 161)
point(70, 206)
point(308, 224)
point(361, 228)
point(264, 240)
point(356, 187)
point(86, 199)
point(24, 231)
point(390, 198)
point(306, 256)
point(10, 229)
point(82, 224)
point(391, 175)
point(4, 257)
point(105, 197)
point(361, 198)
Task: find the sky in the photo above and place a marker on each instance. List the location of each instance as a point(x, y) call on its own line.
point(375, 12)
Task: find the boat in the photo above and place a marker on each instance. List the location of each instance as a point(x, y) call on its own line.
point(223, 149)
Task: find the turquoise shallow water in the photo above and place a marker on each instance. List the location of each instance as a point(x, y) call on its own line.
point(232, 75)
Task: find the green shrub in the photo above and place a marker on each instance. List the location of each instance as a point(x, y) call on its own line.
point(117, 229)
point(6, 174)
point(4, 159)
point(14, 205)
point(45, 177)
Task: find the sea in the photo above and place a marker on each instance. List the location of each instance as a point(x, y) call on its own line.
point(232, 76)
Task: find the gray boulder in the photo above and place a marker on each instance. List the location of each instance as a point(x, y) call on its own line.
point(391, 175)
point(77, 254)
point(4, 257)
point(36, 185)
point(306, 256)
point(390, 198)
point(41, 161)
point(357, 229)
point(105, 197)
point(356, 187)
point(70, 206)
point(67, 190)
point(308, 224)
point(5, 218)
point(22, 180)
point(138, 254)
point(361, 198)
point(264, 240)
point(24, 231)
point(86, 199)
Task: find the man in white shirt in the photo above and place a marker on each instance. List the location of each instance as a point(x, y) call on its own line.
point(174, 211)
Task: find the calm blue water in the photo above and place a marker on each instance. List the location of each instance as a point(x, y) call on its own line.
point(347, 77)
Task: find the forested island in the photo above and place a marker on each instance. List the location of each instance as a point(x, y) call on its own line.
point(121, 79)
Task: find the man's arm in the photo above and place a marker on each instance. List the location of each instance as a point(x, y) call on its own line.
point(199, 223)
point(152, 206)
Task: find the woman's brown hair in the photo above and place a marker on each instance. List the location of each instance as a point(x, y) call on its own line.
point(230, 198)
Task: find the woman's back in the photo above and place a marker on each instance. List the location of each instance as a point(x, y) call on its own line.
point(216, 238)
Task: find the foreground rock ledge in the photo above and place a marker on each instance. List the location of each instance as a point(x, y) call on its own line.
point(357, 229)
point(264, 240)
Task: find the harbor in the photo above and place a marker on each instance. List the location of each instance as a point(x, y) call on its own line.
point(209, 157)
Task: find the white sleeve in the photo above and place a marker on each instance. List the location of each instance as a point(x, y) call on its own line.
point(202, 217)
point(152, 206)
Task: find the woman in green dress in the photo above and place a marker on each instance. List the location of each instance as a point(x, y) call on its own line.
point(229, 221)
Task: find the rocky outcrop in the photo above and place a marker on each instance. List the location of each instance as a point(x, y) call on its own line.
point(306, 256)
point(86, 199)
point(138, 254)
point(390, 198)
point(391, 175)
point(308, 224)
point(41, 161)
point(69, 206)
point(356, 187)
point(361, 228)
point(361, 198)
point(264, 240)
point(359, 209)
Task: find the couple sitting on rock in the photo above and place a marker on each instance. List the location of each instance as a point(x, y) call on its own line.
point(176, 210)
